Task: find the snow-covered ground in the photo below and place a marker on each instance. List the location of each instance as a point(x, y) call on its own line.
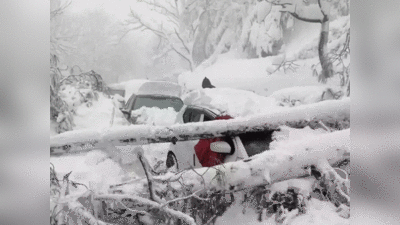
point(319, 212)
point(155, 116)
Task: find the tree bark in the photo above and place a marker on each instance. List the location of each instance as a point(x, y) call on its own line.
point(326, 64)
point(199, 46)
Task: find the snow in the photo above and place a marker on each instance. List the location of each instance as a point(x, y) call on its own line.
point(263, 9)
point(232, 71)
point(288, 133)
point(155, 116)
point(252, 75)
point(92, 169)
point(160, 88)
point(303, 94)
point(318, 213)
point(236, 103)
point(130, 87)
point(99, 115)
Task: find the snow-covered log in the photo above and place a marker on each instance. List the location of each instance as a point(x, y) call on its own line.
point(329, 112)
point(292, 161)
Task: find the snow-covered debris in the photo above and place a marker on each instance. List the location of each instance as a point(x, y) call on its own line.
point(93, 168)
point(98, 115)
point(155, 116)
point(71, 96)
point(318, 212)
point(303, 94)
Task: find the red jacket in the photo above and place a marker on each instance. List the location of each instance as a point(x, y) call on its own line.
point(203, 151)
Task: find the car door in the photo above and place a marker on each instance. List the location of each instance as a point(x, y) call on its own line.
point(184, 150)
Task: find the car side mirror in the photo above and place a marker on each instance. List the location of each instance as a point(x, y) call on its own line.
point(220, 147)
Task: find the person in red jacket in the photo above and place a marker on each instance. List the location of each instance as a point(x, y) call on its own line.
point(203, 151)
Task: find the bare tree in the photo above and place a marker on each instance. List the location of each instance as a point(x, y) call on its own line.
point(168, 28)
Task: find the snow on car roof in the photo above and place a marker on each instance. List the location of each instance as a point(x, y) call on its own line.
point(160, 88)
point(132, 87)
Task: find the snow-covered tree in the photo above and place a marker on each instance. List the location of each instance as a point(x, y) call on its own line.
point(316, 11)
point(201, 30)
point(166, 20)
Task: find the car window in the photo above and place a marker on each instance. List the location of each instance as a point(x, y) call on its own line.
point(159, 102)
point(192, 115)
point(256, 142)
point(209, 116)
point(130, 101)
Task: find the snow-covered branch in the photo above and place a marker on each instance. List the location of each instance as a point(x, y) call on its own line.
point(149, 205)
point(329, 112)
point(78, 208)
point(306, 12)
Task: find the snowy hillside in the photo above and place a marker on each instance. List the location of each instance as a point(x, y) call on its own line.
point(231, 70)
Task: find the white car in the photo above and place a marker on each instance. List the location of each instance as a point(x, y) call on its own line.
point(160, 94)
point(182, 155)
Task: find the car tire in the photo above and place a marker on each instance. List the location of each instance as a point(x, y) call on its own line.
point(171, 163)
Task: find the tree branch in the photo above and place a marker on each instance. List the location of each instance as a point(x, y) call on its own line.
point(183, 56)
point(78, 208)
point(295, 15)
point(138, 20)
point(183, 43)
point(59, 10)
point(194, 195)
point(169, 12)
point(294, 12)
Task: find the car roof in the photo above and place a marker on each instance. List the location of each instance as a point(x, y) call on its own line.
point(209, 108)
point(160, 88)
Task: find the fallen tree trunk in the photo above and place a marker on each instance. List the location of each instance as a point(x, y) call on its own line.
point(329, 112)
point(275, 165)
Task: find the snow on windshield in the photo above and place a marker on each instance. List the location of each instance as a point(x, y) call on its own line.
point(155, 116)
point(159, 102)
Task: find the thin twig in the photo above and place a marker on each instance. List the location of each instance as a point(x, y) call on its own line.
point(186, 197)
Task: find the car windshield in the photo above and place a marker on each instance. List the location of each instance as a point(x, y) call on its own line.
point(161, 102)
point(256, 142)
